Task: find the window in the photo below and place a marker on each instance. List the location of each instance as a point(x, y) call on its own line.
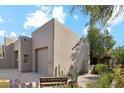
point(25, 39)
point(25, 58)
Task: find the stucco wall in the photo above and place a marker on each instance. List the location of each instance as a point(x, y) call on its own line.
point(9, 55)
point(26, 49)
point(16, 45)
point(64, 40)
point(82, 59)
point(2, 63)
point(43, 37)
point(6, 62)
point(17, 48)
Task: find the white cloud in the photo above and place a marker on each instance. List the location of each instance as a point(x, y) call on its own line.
point(44, 14)
point(85, 30)
point(2, 32)
point(13, 34)
point(75, 17)
point(115, 21)
point(36, 19)
point(1, 19)
point(23, 34)
point(59, 14)
point(45, 9)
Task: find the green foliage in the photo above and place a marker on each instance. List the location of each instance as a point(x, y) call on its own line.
point(92, 85)
point(73, 74)
point(119, 76)
point(94, 37)
point(100, 43)
point(108, 41)
point(98, 13)
point(101, 68)
point(118, 55)
point(103, 82)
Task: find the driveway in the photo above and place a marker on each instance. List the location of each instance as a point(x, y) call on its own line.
point(12, 74)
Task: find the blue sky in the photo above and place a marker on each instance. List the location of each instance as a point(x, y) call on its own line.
point(23, 20)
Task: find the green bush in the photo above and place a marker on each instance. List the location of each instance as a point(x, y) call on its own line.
point(101, 68)
point(119, 76)
point(103, 82)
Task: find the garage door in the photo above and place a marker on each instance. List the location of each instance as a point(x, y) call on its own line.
point(43, 61)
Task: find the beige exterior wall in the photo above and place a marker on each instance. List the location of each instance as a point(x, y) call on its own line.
point(59, 41)
point(3, 64)
point(16, 45)
point(23, 47)
point(64, 40)
point(50, 47)
point(26, 50)
point(42, 38)
point(82, 60)
point(6, 61)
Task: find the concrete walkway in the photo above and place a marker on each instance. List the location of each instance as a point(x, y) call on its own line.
point(12, 74)
point(84, 79)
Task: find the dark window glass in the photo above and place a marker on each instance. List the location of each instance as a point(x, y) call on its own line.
point(25, 58)
point(25, 39)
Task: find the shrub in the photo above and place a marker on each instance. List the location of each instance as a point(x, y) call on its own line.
point(103, 82)
point(101, 68)
point(119, 76)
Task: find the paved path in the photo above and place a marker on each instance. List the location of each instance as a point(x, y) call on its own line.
point(12, 74)
point(83, 79)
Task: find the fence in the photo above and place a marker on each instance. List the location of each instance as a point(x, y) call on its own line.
point(53, 81)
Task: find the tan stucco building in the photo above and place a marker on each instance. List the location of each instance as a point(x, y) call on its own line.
point(47, 52)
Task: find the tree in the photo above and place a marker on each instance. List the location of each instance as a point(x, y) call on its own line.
point(118, 55)
point(8, 40)
point(100, 42)
point(98, 13)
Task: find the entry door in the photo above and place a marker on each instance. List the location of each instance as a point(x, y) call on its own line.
point(43, 61)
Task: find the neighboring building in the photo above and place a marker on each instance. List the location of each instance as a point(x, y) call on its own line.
point(48, 51)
